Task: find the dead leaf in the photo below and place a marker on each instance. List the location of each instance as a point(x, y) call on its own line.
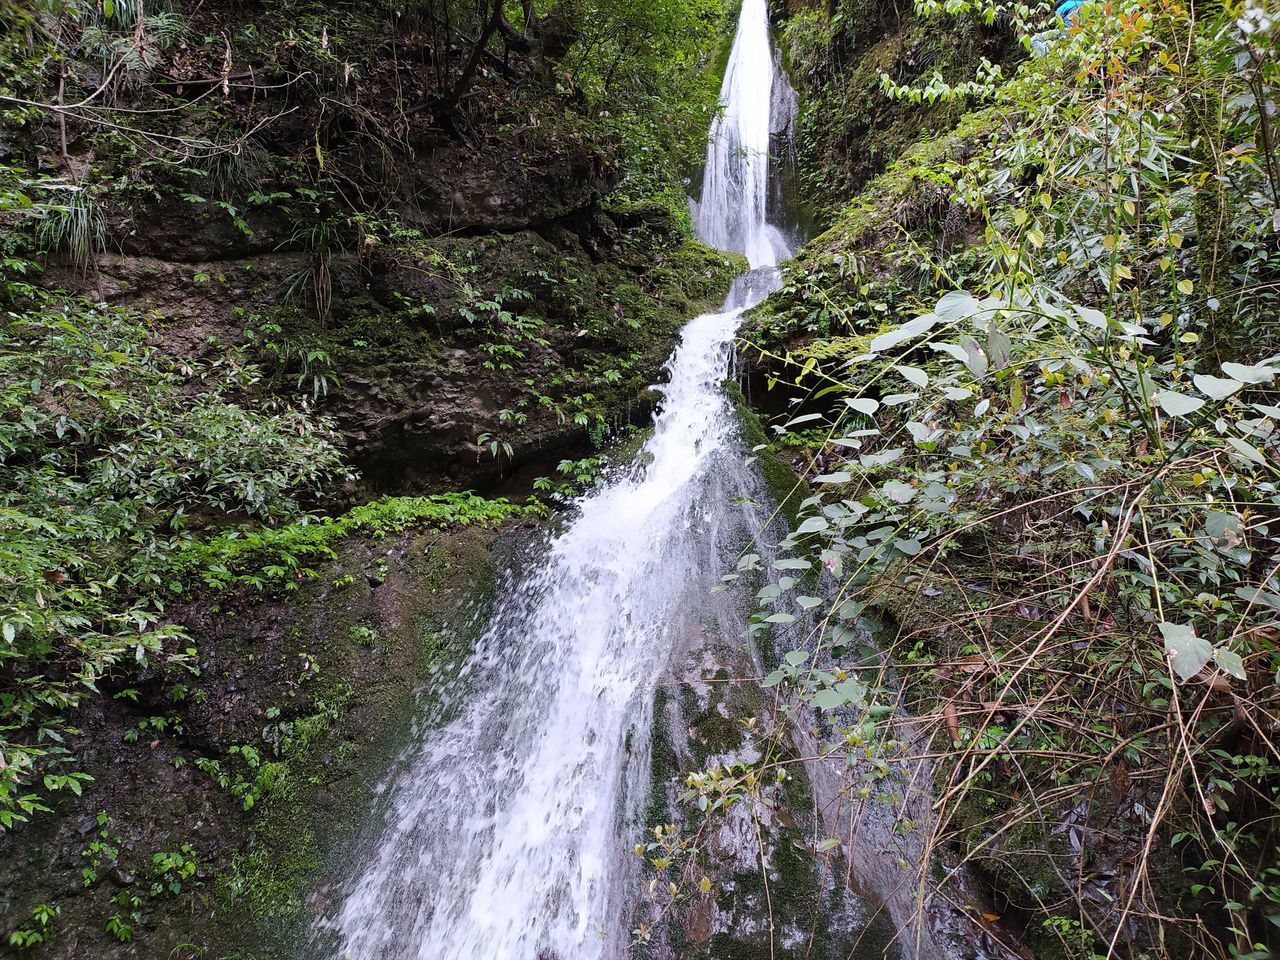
point(952, 722)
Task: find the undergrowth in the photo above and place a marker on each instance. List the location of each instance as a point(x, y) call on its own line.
point(1033, 592)
point(261, 557)
point(131, 476)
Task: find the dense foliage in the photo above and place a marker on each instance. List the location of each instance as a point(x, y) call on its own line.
point(1034, 378)
point(644, 65)
point(352, 86)
point(838, 53)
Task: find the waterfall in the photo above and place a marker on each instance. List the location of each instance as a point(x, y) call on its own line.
point(756, 102)
point(507, 835)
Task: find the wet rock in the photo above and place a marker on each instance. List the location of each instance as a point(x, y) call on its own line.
point(253, 866)
point(771, 894)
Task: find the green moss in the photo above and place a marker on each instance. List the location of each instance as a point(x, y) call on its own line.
point(784, 485)
point(259, 557)
point(867, 268)
point(270, 878)
point(664, 766)
point(848, 129)
point(314, 797)
point(724, 946)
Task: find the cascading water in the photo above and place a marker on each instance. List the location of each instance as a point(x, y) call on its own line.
point(755, 99)
point(507, 836)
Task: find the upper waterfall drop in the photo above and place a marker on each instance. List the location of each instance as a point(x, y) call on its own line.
point(733, 213)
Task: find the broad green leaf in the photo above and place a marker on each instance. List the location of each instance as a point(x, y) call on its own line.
point(899, 492)
point(828, 699)
point(1223, 528)
point(854, 691)
point(957, 305)
point(796, 657)
point(780, 618)
point(896, 399)
point(1230, 662)
point(953, 350)
point(792, 564)
point(813, 525)
point(999, 346)
point(1095, 318)
point(976, 359)
point(850, 609)
point(1187, 652)
point(1216, 388)
point(1257, 595)
point(1249, 373)
point(842, 634)
point(910, 329)
point(867, 405)
point(1248, 450)
point(1178, 404)
point(808, 603)
point(1017, 394)
point(884, 457)
point(922, 433)
point(914, 375)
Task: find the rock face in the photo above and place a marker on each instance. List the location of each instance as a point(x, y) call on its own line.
point(848, 130)
point(542, 342)
point(220, 795)
point(423, 285)
point(515, 183)
point(775, 890)
point(502, 190)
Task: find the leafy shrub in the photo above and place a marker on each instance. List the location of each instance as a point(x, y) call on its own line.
point(109, 447)
point(1045, 510)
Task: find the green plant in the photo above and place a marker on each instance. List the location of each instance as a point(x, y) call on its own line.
point(102, 851)
point(1041, 496)
point(73, 224)
point(496, 446)
point(364, 635)
point(119, 928)
point(109, 447)
point(37, 928)
point(170, 870)
point(294, 356)
point(321, 230)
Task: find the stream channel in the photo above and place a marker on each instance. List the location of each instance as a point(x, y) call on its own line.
point(507, 832)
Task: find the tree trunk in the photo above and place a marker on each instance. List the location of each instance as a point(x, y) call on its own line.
point(450, 103)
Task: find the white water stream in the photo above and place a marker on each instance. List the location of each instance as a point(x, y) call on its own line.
point(756, 99)
point(507, 836)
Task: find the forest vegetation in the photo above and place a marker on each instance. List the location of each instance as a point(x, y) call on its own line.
point(306, 304)
point(279, 281)
point(1030, 377)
